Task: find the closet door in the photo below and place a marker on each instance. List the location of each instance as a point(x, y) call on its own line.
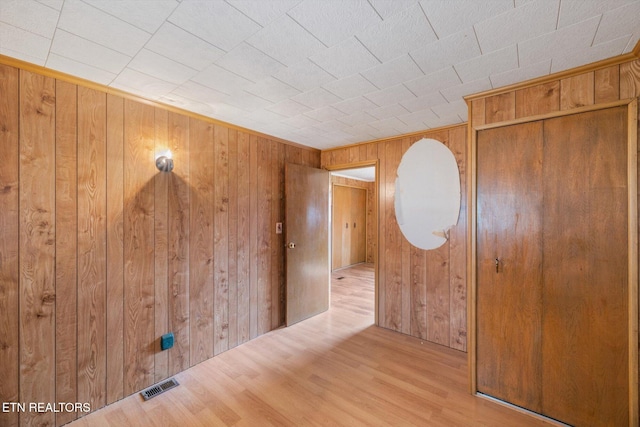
point(509, 294)
point(585, 326)
point(358, 225)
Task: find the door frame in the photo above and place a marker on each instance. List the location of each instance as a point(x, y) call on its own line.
point(632, 200)
point(376, 227)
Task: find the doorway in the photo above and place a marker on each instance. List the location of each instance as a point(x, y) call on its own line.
point(353, 231)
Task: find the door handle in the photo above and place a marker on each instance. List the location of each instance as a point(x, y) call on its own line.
point(291, 245)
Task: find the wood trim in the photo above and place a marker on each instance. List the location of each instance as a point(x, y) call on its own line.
point(391, 138)
point(616, 60)
point(632, 174)
point(59, 75)
point(353, 165)
point(632, 171)
point(552, 114)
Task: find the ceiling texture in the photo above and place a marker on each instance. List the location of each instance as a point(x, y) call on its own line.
point(321, 73)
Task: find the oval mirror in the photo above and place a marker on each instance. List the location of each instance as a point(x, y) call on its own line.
point(427, 194)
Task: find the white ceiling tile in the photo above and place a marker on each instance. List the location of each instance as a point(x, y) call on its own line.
point(86, 21)
point(142, 84)
point(268, 116)
point(147, 15)
point(363, 131)
point(79, 69)
point(443, 121)
point(221, 79)
point(391, 72)
point(316, 98)
point(300, 121)
point(574, 11)
point(399, 34)
point(288, 108)
point(263, 12)
point(330, 126)
point(521, 74)
point(564, 41)
point(392, 123)
point(354, 105)
point(198, 92)
point(272, 89)
point(350, 87)
point(22, 44)
point(522, 23)
point(248, 101)
point(345, 58)
point(490, 63)
point(216, 22)
point(393, 95)
point(387, 8)
point(304, 76)
point(457, 92)
point(163, 68)
point(331, 24)
point(382, 113)
point(54, 4)
point(181, 46)
point(592, 54)
point(81, 50)
point(356, 119)
point(29, 15)
point(446, 51)
point(449, 17)
point(249, 62)
point(182, 102)
point(276, 41)
point(324, 113)
point(424, 102)
point(441, 79)
point(450, 109)
point(619, 22)
point(418, 117)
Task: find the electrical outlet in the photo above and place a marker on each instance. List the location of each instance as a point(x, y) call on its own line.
point(278, 228)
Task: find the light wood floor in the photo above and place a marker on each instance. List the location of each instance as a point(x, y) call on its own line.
point(335, 369)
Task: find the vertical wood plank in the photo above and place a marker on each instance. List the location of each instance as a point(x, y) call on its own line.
point(37, 245)
point(66, 248)
point(265, 194)
point(139, 169)
point(630, 79)
point(161, 248)
point(277, 243)
point(115, 248)
point(406, 267)
point(607, 84)
point(201, 203)
point(418, 294)
point(382, 231)
point(9, 242)
point(539, 99)
point(499, 108)
point(178, 243)
point(233, 253)
point(478, 112)
point(577, 91)
point(221, 241)
point(457, 249)
point(393, 241)
point(92, 111)
point(244, 238)
point(253, 235)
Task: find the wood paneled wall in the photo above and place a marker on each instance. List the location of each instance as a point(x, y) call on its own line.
point(420, 293)
point(101, 254)
point(371, 210)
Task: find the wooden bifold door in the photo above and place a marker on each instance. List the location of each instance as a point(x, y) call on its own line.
point(552, 266)
point(349, 245)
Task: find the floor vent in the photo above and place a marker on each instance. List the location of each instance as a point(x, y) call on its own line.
point(157, 389)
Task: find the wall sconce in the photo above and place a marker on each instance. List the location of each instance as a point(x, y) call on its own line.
point(164, 162)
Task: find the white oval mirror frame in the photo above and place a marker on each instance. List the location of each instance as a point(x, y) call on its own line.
point(427, 193)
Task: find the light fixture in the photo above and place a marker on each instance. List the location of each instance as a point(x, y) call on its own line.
point(164, 162)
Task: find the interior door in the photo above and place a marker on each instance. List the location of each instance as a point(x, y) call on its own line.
point(552, 266)
point(307, 237)
point(358, 225)
point(509, 264)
